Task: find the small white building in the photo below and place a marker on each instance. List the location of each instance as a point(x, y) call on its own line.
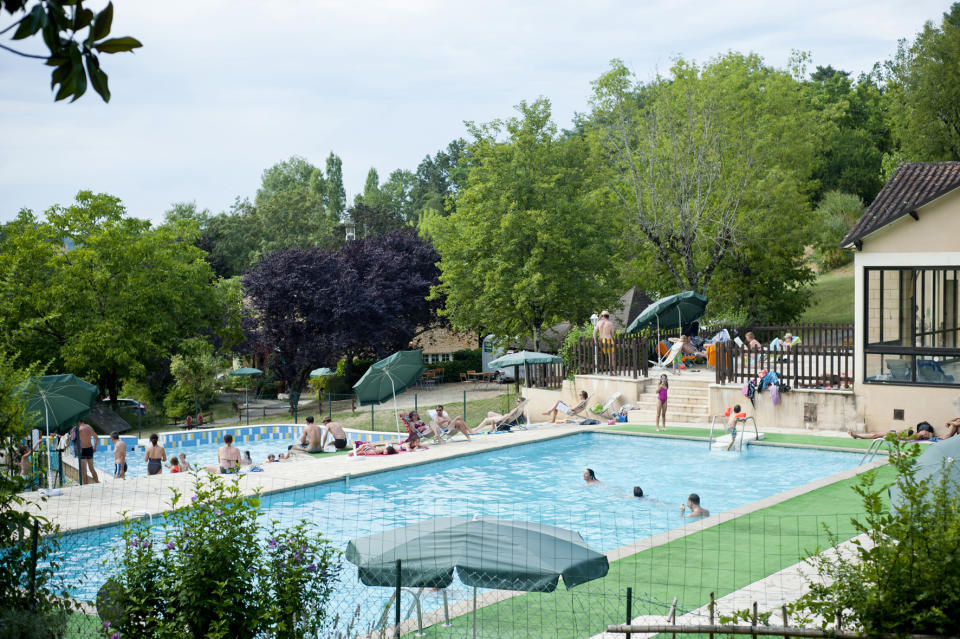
point(907, 302)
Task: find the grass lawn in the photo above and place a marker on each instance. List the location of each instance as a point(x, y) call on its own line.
point(832, 297)
point(721, 559)
point(777, 438)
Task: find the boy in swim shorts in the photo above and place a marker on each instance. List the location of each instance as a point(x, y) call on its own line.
point(732, 419)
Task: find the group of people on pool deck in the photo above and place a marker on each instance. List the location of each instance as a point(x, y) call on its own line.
point(692, 505)
point(923, 432)
point(442, 425)
point(315, 439)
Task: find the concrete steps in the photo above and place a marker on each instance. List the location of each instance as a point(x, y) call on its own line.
point(688, 400)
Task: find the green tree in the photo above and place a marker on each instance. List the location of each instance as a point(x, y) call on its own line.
point(194, 370)
point(395, 194)
point(61, 25)
point(702, 163)
point(101, 294)
point(835, 216)
point(527, 246)
point(923, 82)
point(335, 197)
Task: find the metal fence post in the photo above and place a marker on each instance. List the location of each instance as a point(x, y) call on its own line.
point(372, 425)
point(330, 405)
point(629, 607)
point(396, 627)
point(32, 579)
point(416, 406)
point(465, 404)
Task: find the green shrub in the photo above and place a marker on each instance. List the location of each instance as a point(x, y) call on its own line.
point(463, 360)
point(906, 578)
point(211, 569)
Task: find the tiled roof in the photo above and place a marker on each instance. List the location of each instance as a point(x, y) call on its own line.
point(913, 184)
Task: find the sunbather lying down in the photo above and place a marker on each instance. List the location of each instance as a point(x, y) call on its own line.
point(493, 418)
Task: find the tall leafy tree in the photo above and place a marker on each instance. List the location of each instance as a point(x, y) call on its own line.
point(335, 197)
point(527, 246)
point(438, 179)
point(923, 81)
point(702, 162)
point(374, 221)
point(395, 194)
point(98, 293)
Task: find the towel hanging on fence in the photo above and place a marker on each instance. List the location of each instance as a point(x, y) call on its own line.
point(749, 390)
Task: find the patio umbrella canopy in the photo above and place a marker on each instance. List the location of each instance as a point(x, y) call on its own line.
point(485, 552)
point(524, 357)
point(939, 457)
point(674, 310)
point(322, 372)
point(389, 376)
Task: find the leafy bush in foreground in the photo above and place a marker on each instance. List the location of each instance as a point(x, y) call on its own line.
point(211, 569)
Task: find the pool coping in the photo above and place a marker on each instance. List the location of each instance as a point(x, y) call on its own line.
point(752, 442)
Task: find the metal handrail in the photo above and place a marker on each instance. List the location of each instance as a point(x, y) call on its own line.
point(874, 450)
point(751, 418)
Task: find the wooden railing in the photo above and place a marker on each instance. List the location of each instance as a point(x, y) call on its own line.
point(628, 356)
point(547, 375)
point(802, 366)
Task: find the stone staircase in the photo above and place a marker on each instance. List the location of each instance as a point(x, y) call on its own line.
point(688, 401)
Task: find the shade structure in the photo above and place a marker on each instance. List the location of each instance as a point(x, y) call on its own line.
point(388, 377)
point(322, 372)
point(57, 402)
point(939, 457)
point(484, 552)
point(674, 310)
point(246, 372)
point(524, 357)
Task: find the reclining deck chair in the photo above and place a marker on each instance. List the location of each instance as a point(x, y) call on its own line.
point(666, 359)
point(608, 409)
point(516, 418)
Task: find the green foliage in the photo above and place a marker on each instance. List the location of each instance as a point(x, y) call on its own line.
point(903, 575)
point(528, 246)
point(212, 569)
point(923, 82)
point(710, 167)
point(835, 215)
point(334, 195)
point(570, 341)
point(468, 359)
point(74, 61)
point(26, 610)
point(194, 371)
point(98, 293)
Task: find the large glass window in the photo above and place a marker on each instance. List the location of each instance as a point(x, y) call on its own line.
point(911, 326)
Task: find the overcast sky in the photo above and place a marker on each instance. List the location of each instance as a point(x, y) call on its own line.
point(225, 88)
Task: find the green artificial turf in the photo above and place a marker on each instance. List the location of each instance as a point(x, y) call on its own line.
point(773, 438)
point(721, 559)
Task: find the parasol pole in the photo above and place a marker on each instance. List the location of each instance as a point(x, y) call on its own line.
point(46, 420)
point(474, 612)
point(396, 411)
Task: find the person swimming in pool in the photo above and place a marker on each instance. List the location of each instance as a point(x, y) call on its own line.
point(590, 477)
point(693, 503)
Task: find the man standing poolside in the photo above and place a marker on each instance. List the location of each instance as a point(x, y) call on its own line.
point(606, 330)
point(333, 434)
point(119, 456)
point(88, 446)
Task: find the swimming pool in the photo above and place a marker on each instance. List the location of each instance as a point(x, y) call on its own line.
point(200, 446)
point(538, 482)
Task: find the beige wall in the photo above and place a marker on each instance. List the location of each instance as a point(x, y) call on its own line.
point(934, 240)
point(936, 230)
point(601, 387)
point(835, 410)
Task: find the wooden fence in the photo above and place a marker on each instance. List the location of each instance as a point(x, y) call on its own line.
point(547, 375)
point(627, 356)
point(802, 366)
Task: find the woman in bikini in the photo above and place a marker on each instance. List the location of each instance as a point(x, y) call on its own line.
point(561, 407)
point(155, 456)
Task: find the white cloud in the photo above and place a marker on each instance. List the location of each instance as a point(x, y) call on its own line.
point(223, 89)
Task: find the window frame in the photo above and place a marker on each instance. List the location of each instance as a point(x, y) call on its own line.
point(914, 352)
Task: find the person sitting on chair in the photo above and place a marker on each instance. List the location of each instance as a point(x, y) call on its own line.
point(443, 422)
point(953, 427)
point(561, 407)
point(496, 418)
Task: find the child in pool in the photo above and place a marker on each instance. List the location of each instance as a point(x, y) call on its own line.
point(733, 416)
point(662, 402)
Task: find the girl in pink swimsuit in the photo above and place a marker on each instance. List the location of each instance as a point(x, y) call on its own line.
point(662, 402)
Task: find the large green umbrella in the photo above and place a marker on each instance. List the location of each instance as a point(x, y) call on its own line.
point(939, 457)
point(388, 377)
point(58, 401)
point(485, 552)
point(246, 372)
point(674, 310)
point(523, 358)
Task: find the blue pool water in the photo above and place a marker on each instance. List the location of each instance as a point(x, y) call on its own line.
point(539, 482)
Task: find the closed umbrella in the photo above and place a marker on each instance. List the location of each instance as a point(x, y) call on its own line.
point(59, 401)
point(246, 372)
point(388, 377)
point(484, 552)
point(939, 458)
point(523, 358)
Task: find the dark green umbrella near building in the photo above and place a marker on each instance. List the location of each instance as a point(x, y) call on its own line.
point(57, 402)
point(484, 552)
point(939, 458)
point(246, 372)
point(673, 310)
point(523, 358)
point(388, 377)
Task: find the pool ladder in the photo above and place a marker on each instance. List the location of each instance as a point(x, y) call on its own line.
point(413, 606)
point(713, 423)
point(874, 449)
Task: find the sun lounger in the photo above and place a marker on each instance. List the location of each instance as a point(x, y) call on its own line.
point(516, 418)
point(607, 410)
point(666, 360)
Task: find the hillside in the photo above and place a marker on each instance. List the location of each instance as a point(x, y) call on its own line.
point(832, 297)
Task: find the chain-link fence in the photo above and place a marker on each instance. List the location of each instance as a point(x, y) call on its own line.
point(490, 582)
